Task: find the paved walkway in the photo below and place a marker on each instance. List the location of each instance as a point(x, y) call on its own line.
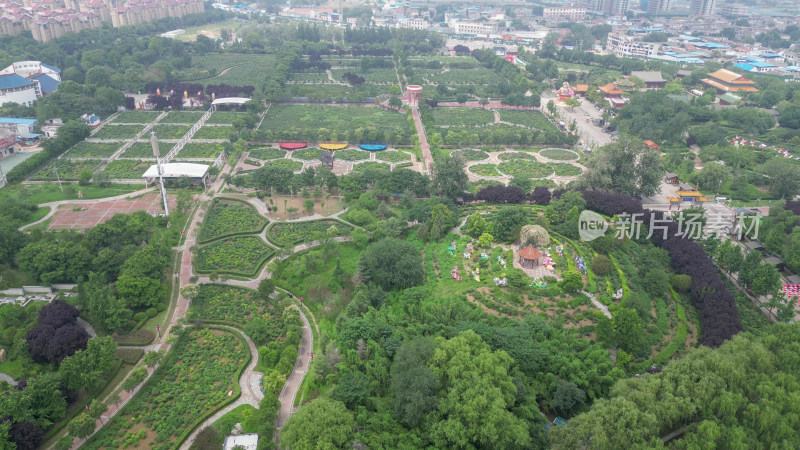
point(423, 140)
point(603, 308)
point(295, 379)
point(88, 327)
point(7, 378)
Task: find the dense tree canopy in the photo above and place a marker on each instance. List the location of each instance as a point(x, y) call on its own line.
point(626, 166)
point(392, 264)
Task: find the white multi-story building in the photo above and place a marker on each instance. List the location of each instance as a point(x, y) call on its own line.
point(480, 28)
point(564, 13)
point(30, 69)
point(24, 81)
point(704, 7)
point(628, 47)
point(412, 23)
point(732, 9)
point(17, 89)
point(658, 6)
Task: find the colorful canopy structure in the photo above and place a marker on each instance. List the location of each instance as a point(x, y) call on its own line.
point(293, 145)
point(333, 145)
point(373, 147)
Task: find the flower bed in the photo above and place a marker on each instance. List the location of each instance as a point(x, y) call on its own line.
point(189, 117)
point(462, 117)
point(67, 169)
point(111, 131)
point(236, 305)
point(217, 132)
point(485, 170)
point(144, 150)
point(202, 150)
point(567, 170)
point(126, 169)
point(371, 165)
point(393, 156)
point(307, 154)
point(235, 255)
point(194, 379)
point(525, 169)
point(351, 155)
point(92, 150)
point(293, 233)
point(170, 131)
point(136, 117)
point(470, 154)
point(508, 156)
point(266, 153)
point(294, 166)
point(559, 154)
point(227, 217)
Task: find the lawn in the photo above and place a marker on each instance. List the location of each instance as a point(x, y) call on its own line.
point(287, 234)
point(567, 170)
point(507, 156)
point(335, 92)
point(227, 216)
point(50, 192)
point(351, 155)
point(345, 123)
point(371, 165)
point(236, 255)
point(136, 117)
point(202, 150)
point(294, 166)
point(92, 150)
point(225, 117)
point(111, 131)
point(266, 153)
point(309, 77)
point(215, 132)
point(462, 117)
point(194, 380)
point(372, 76)
point(480, 76)
point(526, 169)
point(170, 131)
point(188, 117)
point(126, 169)
point(67, 169)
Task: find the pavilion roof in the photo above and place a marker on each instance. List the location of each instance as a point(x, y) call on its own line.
point(529, 252)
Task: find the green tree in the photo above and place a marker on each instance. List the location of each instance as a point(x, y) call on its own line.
point(392, 264)
point(681, 283)
point(449, 178)
point(601, 265)
point(134, 379)
point(462, 98)
point(321, 424)
point(190, 291)
point(749, 268)
point(85, 177)
point(524, 184)
point(568, 397)
point(628, 330)
point(476, 225)
point(766, 280)
point(441, 221)
point(507, 223)
point(730, 257)
point(266, 287)
point(656, 282)
point(572, 281)
point(712, 177)
point(152, 358)
point(790, 117)
point(84, 367)
point(140, 292)
point(784, 181)
point(82, 425)
point(485, 240)
point(625, 166)
point(97, 409)
point(473, 378)
point(414, 385)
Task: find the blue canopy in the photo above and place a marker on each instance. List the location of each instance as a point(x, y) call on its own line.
point(373, 147)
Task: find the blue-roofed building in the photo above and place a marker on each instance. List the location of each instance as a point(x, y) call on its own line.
point(17, 89)
point(755, 66)
point(16, 126)
point(47, 83)
point(770, 55)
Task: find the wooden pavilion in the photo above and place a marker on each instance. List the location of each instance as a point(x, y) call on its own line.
point(529, 256)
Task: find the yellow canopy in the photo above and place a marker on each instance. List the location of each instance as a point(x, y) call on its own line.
point(333, 145)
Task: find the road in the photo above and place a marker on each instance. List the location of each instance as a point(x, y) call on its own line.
point(591, 134)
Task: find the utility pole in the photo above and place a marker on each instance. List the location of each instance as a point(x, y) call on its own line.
point(157, 154)
point(55, 170)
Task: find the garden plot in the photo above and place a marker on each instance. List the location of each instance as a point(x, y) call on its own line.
point(242, 69)
point(372, 76)
point(170, 131)
point(111, 131)
point(393, 156)
point(266, 153)
point(142, 117)
point(331, 92)
point(202, 150)
point(531, 119)
point(226, 217)
point(292, 233)
point(471, 154)
point(462, 117)
point(558, 154)
point(241, 255)
point(480, 75)
point(508, 156)
point(68, 170)
point(307, 154)
point(126, 169)
point(351, 155)
point(92, 150)
point(371, 165)
point(284, 207)
point(294, 166)
point(194, 380)
point(308, 77)
point(526, 169)
point(485, 170)
point(225, 117)
point(346, 123)
point(217, 132)
point(187, 117)
point(143, 150)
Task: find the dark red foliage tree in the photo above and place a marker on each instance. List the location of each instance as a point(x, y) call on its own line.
point(793, 206)
point(56, 335)
point(130, 103)
point(27, 435)
point(176, 101)
point(501, 194)
point(159, 102)
point(541, 195)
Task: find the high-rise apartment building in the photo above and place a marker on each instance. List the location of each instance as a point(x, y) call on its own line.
point(704, 7)
point(658, 6)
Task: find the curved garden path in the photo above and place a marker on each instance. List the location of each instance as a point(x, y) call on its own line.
point(603, 308)
point(8, 379)
point(54, 205)
point(295, 379)
point(88, 327)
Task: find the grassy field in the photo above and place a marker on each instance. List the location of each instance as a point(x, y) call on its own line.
point(243, 70)
point(212, 29)
point(44, 193)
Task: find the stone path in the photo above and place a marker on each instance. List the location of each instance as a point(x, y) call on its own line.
point(603, 308)
point(423, 140)
point(295, 379)
point(88, 327)
point(7, 378)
